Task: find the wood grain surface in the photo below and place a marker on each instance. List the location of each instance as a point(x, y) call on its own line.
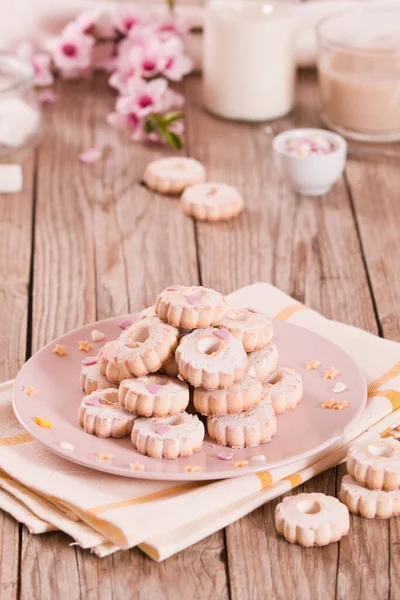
point(89, 241)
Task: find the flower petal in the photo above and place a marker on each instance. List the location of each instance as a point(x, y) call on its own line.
point(90, 156)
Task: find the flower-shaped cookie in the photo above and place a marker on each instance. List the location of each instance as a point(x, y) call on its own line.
point(212, 201)
point(154, 395)
point(245, 430)
point(283, 389)
point(211, 358)
point(191, 307)
point(241, 396)
point(376, 463)
point(173, 174)
point(368, 503)
point(250, 327)
point(312, 519)
point(101, 415)
point(170, 437)
point(139, 350)
point(262, 363)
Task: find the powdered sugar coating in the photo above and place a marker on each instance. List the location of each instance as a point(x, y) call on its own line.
point(253, 329)
point(100, 414)
point(184, 436)
point(191, 307)
point(245, 430)
point(173, 174)
point(92, 379)
point(210, 362)
point(262, 363)
point(241, 396)
point(139, 350)
point(376, 463)
point(154, 395)
point(212, 201)
point(312, 519)
point(370, 504)
point(283, 389)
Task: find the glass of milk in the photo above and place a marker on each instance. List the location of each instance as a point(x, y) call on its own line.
point(248, 59)
point(359, 73)
point(20, 116)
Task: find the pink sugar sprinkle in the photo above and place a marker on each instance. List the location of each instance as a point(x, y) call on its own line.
point(225, 455)
point(94, 401)
point(222, 333)
point(125, 323)
point(154, 388)
point(90, 156)
point(252, 310)
point(89, 360)
point(173, 288)
point(162, 428)
point(195, 298)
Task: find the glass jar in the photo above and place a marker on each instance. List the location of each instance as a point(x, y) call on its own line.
point(359, 73)
point(20, 114)
point(248, 59)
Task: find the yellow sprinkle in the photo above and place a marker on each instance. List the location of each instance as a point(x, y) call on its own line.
point(241, 463)
point(312, 365)
point(104, 456)
point(85, 346)
point(136, 466)
point(341, 406)
point(192, 468)
point(60, 350)
point(331, 373)
point(329, 404)
point(43, 422)
point(29, 391)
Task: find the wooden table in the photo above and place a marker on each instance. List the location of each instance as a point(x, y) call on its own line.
point(84, 242)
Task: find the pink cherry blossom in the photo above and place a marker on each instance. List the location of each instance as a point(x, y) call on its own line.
point(41, 64)
point(96, 22)
point(126, 18)
point(72, 50)
point(145, 97)
point(171, 26)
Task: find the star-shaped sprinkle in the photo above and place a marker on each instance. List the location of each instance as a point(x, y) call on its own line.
point(104, 456)
point(136, 466)
point(43, 422)
point(341, 406)
point(85, 346)
point(29, 390)
point(60, 350)
point(241, 463)
point(192, 468)
point(329, 404)
point(312, 365)
point(331, 373)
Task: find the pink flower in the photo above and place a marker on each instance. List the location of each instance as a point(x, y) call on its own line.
point(126, 18)
point(41, 64)
point(138, 58)
point(146, 97)
point(177, 63)
point(96, 22)
point(47, 96)
point(90, 156)
point(172, 100)
point(127, 121)
point(171, 26)
point(72, 50)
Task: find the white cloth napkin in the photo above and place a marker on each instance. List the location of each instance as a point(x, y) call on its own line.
point(105, 512)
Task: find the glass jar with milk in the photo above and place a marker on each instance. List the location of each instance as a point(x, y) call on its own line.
point(248, 66)
point(359, 73)
point(20, 117)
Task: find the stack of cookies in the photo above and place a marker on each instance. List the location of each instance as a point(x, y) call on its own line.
point(189, 345)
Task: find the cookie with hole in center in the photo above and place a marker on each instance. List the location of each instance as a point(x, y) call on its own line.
point(212, 201)
point(375, 463)
point(241, 396)
point(312, 519)
point(283, 389)
point(101, 415)
point(154, 395)
point(190, 307)
point(173, 174)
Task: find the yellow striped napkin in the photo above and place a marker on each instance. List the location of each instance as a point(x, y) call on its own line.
point(104, 512)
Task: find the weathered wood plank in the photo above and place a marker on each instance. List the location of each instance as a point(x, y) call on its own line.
point(198, 572)
point(63, 292)
point(15, 253)
point(310, 249)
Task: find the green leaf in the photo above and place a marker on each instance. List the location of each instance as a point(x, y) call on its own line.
point(172, 139)
point(170, 117)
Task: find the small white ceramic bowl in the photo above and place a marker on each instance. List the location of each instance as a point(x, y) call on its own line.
point(314, 174)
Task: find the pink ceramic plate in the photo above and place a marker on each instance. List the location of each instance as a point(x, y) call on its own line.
point(301, 432)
